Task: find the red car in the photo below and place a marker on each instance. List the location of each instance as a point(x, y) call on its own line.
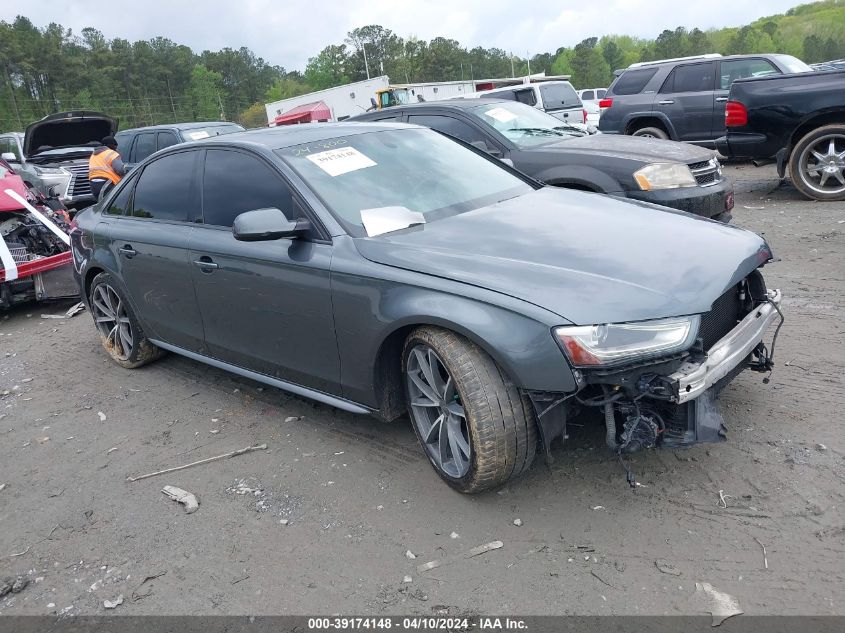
point(34, 245)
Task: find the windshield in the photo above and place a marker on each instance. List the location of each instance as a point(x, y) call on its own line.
point(197, 133)
point(387, 180)
point(793, 64)
point(523, 125)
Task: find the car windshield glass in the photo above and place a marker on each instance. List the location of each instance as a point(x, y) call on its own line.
point(793, 64)
point(558, 96)
point(396, 178)
point(197, 133)
point(523, 125)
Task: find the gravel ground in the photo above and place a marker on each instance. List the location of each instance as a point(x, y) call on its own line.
point(321, 521)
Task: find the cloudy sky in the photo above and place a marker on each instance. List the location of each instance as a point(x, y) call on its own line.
point(288, 33)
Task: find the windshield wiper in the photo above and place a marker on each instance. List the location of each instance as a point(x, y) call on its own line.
point(536, 130)
point(572, 128)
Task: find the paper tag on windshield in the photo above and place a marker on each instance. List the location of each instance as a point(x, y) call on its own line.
point(386, 219)
point(500, 114)
point(340, 161)
point(195, 136)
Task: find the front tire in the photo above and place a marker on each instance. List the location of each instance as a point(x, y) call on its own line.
point(651, 132)
point(475, 427)
point(119, 330)
point(817, 163)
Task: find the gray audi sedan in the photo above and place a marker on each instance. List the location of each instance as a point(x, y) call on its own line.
point(385, 269)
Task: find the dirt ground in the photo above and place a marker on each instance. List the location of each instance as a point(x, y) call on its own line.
point(321, 521)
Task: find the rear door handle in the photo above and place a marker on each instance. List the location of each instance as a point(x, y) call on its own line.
point(665, 102)
point(127, 251)
point(720, 99)
point(205, 264)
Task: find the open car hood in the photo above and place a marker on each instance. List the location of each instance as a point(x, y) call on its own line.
point(68, 129)
point(588, 258)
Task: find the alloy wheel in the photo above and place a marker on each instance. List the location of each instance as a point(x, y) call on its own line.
point(112, 321)
point(437, 412)
point(823, 164)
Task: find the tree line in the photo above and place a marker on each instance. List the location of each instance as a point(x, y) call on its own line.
point(50, 69)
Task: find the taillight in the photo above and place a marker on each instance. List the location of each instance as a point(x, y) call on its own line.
point(735, 114)
point(605, 103)
point(584, 112)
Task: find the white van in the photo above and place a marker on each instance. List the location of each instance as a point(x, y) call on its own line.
point(558, 98)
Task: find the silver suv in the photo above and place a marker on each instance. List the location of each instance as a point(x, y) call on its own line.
point(52, 156)
point(683, 99)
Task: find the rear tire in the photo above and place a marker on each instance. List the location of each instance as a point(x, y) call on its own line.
point(651, 132)
point(815, 166)
point(475, 427)
point(119, 330)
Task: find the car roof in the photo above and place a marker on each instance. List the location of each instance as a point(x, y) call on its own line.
point(177, 126)
point(700, 60)
point(464, 103)
point(291, 135)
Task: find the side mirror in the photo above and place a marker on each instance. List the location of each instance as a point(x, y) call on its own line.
point(9, 157)
point(484, 147)
point(266, 224)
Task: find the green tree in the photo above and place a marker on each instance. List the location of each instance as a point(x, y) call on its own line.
point(613, 55)
point(329, 68)
point(589, 69)
point(205, 91)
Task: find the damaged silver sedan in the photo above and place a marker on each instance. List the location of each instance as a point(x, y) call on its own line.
point(386, 269)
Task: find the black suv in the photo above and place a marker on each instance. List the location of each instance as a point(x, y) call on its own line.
point(683, 99)
point(136, 144)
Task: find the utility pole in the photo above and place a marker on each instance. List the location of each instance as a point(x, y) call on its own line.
point(172, 105)
point(220, 103)
point(366, 65)
point(528, 58)
point(513, 72)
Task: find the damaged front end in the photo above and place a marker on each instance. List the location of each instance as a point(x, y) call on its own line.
point(656, 382)
point(34, 248)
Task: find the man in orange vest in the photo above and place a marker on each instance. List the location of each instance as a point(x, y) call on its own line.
point(105, 166)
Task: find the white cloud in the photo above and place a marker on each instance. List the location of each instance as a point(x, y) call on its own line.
point(288, 34)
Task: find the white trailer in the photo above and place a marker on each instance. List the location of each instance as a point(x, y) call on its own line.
point(342, 101)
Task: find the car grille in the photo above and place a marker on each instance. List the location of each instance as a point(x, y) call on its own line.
point(707, 173)
point(79, 184)
point(722, 318)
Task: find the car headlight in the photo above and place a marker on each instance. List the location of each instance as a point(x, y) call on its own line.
point(50, 171)
point(664, 176)
point(620, 343)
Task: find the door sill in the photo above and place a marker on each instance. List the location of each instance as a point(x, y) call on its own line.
point(290, 387)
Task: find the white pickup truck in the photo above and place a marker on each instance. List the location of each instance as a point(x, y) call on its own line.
point(557, 98)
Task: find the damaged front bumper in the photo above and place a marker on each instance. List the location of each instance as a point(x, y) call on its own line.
point(694, 378)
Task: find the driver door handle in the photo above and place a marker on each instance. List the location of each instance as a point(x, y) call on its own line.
point(205, 264)
point(666, 102)
point(127, 251)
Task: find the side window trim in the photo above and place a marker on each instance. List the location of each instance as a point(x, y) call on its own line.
point(322, 235)
point(128, 184)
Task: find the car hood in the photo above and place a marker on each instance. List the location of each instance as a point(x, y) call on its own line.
point(68, 129)
point(588, 258)
point(646, 150)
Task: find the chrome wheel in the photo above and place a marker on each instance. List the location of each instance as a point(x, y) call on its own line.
point(437, 412)
point(112, 321)
point(822, 164)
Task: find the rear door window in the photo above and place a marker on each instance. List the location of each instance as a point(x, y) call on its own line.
point(166, 189)
point(450, 126)
point(600, 93)
point(633, 82)
point(234, 183)
point(691, 78)
point(588, 95)
point(145, 145)
point(121, 203)
point(741, 68)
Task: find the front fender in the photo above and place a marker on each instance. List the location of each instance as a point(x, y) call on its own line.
point(582, 176)
point(377, 305)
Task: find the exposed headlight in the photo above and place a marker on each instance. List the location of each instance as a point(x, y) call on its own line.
point(664, 176)
point(619, 343)
point(50, 171)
